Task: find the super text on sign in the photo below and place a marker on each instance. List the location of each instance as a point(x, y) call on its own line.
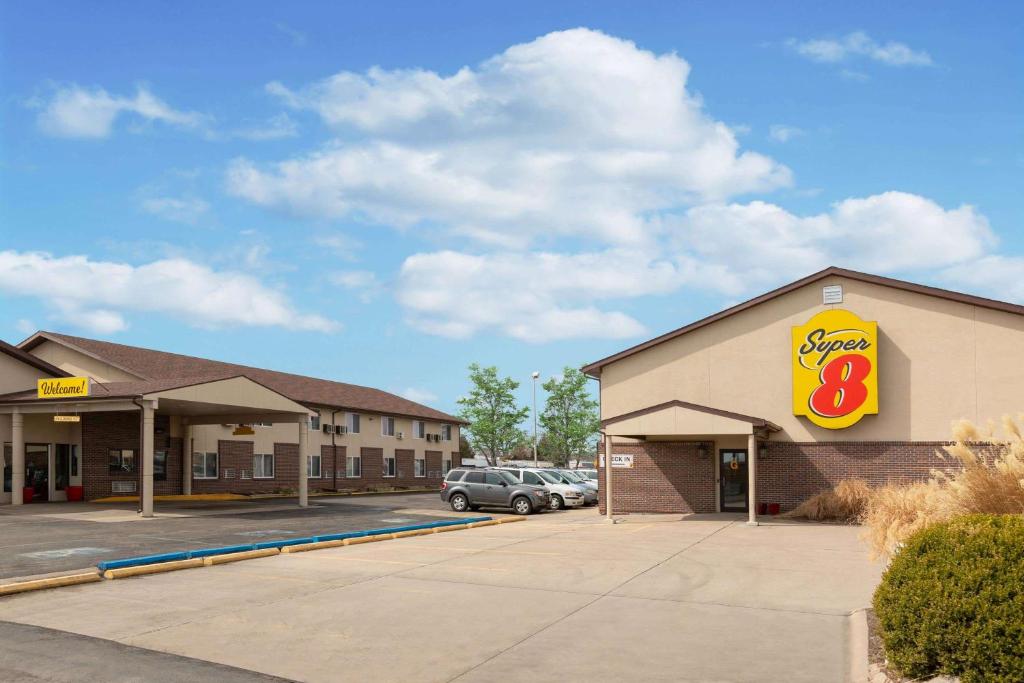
point(835, 369)
point(65, 387)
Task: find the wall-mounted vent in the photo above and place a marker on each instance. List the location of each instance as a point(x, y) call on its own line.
point(122, 487)
point(833, 294)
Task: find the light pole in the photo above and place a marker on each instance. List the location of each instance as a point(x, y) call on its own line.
point(535, 376)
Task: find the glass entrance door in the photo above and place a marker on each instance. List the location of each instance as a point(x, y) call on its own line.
point(37, 470)
point(732, 478)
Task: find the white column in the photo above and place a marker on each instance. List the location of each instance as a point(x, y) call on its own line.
point(303, 448)
point(752, 480)
point(17, 457)
point(186, 457)
point(608, 478)
point(147, 460)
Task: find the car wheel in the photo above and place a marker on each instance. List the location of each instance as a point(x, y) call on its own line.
point(556, 502)
point(521, 506)
point(459, 502)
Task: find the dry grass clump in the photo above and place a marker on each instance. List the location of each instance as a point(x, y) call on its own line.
point(844, 503)
point(991, 482)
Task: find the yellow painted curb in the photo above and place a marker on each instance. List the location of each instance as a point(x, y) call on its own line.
point(313, 546)
point(411, 532)
point(236, 557)
point(168, 498)
point(453, 527)
point(505, 520)
point(52, 582)
point(365, 539)
point(489, 522)
point(158, 568)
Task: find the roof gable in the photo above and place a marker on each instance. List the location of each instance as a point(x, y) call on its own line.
point(28, 359)
point(594, 369)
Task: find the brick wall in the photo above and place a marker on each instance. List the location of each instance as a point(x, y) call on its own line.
point(102, 432)
point(672, 477)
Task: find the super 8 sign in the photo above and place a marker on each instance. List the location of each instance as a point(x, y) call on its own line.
point(835, 369)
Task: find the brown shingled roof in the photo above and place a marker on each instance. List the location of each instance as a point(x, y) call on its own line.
point(148, 364)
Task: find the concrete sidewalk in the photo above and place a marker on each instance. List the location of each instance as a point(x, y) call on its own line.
point(559, 597)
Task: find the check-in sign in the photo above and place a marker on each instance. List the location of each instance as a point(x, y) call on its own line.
point(65, 387)
point(620, 460)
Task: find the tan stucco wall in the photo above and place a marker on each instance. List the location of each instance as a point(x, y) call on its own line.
point(939, 361)
point(17, 376)
point(79, 364)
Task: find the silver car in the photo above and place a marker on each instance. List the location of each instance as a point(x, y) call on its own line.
point(589, 487)
point(563, 495)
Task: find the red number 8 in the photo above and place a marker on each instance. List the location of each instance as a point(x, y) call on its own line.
point(842, 388)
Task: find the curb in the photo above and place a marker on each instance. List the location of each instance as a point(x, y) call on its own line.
point(159, 568)
point(53, 582)
point(857, 655)
point(237, 557)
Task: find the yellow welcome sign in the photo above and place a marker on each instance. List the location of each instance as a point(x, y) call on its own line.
point(835, 369)
point(65, 387)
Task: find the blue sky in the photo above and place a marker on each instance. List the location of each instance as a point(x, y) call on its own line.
point(383, 194)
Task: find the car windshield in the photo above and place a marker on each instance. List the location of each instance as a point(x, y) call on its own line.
point(548, 477)
point(572, 476)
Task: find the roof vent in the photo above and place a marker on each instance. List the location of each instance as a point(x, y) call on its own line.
point(833, 294)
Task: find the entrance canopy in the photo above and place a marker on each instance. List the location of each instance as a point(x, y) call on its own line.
point(682, 419)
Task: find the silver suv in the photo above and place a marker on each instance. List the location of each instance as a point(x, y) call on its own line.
point(471, 489)
point(563, 494)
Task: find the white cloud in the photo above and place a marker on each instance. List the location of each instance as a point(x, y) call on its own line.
point(77, 112)
point(575, 133)
point(97, 294)
point(363, 282)
point(783, 133)
point(275, 128)
point(859, 44)
point(341, 244)
point(178, 209)
point(534, 297)
point(25, 326)
point(1001, 277)
point(418, 395)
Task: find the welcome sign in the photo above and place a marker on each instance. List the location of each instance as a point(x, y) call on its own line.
point(835, 369)
point(65, 387)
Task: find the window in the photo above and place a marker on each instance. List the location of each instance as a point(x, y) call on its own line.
point(387, 426)
point(495, 478)
point(419, 429)
point(204, 465)
point(474, 477)
point(390, 466)
point(353, 466)
point(455, 475)
point(263, 466)
point(122, 461)
point(446, 465)
point(8, 454)
point(314, 422)
point(446, 432)
point(531, 478)
point(353, 423)
point(420, 466)
point(313, 466)
point(160, 466)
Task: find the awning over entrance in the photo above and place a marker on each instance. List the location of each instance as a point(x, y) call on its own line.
point(219, 399)
point(680, 418)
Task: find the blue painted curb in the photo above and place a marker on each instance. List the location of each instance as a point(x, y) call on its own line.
point(223, 550)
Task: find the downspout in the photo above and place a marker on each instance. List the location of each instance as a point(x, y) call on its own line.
point(138, 461)
point(334, 450)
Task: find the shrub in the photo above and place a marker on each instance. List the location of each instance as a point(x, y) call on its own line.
point(844, 503)
point(990, 480)
point(952, 601)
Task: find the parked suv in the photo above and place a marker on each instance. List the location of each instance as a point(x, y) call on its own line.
point(563, 495)
point(471, 489)
point(589, 487)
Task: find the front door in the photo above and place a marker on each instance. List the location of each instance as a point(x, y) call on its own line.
point(37, 470)
point(732, 480)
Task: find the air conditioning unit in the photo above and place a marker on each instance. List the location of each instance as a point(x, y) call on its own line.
point(434, 437)
point(340, 429)
point(399, 435)
point(328, 429)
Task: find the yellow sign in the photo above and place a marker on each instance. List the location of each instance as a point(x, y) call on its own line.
point(243, 430)
point(835, 369)
point(67, 418)
point(65, 387)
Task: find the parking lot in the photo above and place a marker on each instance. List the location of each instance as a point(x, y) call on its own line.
point(57, 537)
point(560, 596)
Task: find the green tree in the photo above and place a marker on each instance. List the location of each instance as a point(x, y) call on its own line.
point(465, 450)
point(570, 418)
point(492, 413)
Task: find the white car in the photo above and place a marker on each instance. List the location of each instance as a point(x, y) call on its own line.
point(562, 495)
point(589, 487)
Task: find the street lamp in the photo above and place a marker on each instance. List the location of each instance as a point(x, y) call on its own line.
point(535, 376)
